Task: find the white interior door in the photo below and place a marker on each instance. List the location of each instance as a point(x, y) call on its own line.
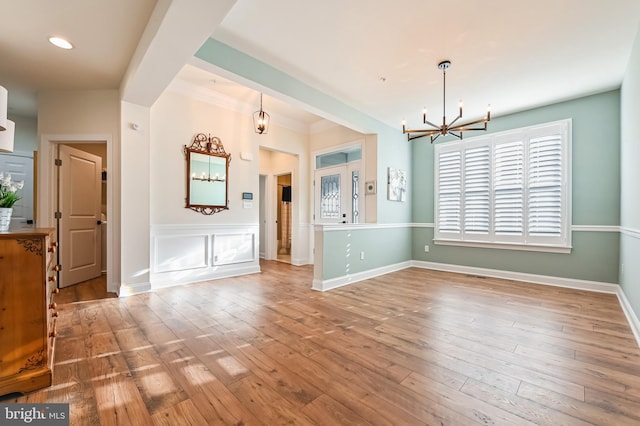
point(79, 191)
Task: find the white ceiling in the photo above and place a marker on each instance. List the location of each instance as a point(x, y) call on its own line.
point(380, 57)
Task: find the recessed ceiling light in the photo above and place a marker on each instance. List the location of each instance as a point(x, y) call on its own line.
point(60, 42)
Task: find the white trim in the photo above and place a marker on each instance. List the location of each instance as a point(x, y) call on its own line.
point(574, 228)
point(423, 225)
point(324, 285)
point(329, 227)
point(131, 289)
point(632, 318)
point(175, 278)
point(595, 228)
point(630, 232)
point(203, 227)
point(503, 246)
point(595, 286)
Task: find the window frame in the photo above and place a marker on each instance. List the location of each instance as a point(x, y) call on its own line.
point(558, 244)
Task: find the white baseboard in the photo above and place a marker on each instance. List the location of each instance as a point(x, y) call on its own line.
point(130, 289)
point(632, 318)
point(324, 285)
point(521, 276)
point(170, 279)
point(300, 261)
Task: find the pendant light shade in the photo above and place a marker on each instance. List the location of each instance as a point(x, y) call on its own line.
point(261, 120)
point(7, 136)
point(3, 108)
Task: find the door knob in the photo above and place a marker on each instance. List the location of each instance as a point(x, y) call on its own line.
point(99, 222)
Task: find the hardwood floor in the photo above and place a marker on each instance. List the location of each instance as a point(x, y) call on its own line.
point(412, 347)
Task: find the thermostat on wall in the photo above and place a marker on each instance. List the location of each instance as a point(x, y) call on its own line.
point(247, 195)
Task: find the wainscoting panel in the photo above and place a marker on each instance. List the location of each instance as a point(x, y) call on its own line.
point(182, 254)
point(233, 248)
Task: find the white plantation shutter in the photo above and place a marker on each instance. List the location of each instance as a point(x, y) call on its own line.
point(506, 188)
point(545, 186)
point(450, 192)
point(477, 188)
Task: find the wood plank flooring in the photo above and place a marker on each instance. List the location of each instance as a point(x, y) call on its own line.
point(411, 347)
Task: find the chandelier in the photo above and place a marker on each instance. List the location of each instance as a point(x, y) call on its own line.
point(453, 128)
point(261, 120)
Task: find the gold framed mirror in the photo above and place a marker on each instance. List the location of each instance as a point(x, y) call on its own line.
point(207, 175)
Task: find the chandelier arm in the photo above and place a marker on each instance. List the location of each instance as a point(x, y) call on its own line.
point(410, 138)
point(470, 129)
point(434, 138)
point(464, 126)
point(435, 126)
point(427, 132)
point(457, 135)
point(454, 120)
point(416, 134)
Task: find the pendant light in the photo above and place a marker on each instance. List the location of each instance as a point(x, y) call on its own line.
point(261, 120)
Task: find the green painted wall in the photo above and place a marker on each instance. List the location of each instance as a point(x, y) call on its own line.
point(381, 247)
point(595, 195)
point(584, 262)
point(630, 180)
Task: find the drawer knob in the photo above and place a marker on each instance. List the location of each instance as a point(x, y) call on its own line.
point(55, 291)
point(52, 248)
point(55, 315)
point(56, 268)
point(53, 278)
point(53, 333)
point(53, 305)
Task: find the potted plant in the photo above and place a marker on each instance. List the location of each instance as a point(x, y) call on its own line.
point(8, 197)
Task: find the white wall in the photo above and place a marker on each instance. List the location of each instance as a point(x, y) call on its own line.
point(629, 178)
point(133, 188)
point(185, 246)
point(79, 116)
point(175, 120)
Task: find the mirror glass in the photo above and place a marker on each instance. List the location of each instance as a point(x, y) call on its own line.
point(207, 177)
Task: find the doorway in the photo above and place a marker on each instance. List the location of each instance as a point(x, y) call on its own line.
point(82, 206)
point(338, 186)
point(283, 218)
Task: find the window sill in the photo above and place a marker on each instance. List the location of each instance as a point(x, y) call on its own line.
point(505, 246)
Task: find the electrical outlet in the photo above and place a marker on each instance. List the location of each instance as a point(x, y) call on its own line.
point(361, 255)
point(426, 249)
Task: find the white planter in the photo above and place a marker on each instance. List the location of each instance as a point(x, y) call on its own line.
point(5, 218)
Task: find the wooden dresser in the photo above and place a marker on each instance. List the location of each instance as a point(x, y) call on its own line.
point(27, 309)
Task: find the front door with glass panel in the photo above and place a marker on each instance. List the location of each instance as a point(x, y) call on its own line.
point(337, 194)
